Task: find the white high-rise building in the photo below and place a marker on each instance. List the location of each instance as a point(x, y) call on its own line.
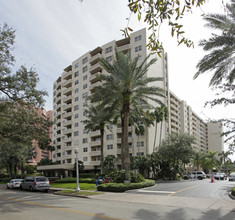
point(69, 103)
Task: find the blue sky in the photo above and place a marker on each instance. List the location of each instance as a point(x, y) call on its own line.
point(50, 34)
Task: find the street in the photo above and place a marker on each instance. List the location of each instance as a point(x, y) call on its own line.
point(170, 200)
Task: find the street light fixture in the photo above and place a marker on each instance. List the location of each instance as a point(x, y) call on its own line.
point(77, 171)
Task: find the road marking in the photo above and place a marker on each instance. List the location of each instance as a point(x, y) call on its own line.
point(61, 209)
point(148, 191)
point(182, 190)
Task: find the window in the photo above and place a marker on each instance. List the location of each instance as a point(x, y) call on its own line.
point(84, 60)
point(84, 140)
point(84, 113)
point(76, 116)
point(76, 82)
point(75, 107)
point(84, 69)
point(85, 77)
point(75, 133)
point(140, 144)
point(85, 149)
point(139, 48)
point(109, 58)
point(84, 95)
point(85, 158)
point(109, 146)
point(84, 104)
point(76, 99)
point(69, 152)
point(109, 136)
point(76, 74)
point(76, 90)
point(109, 49)
point(76, 124)
point(85, 131)
point(140, 58)
point(84, 86)
point(68, 160)
point(140, 154)
point(76, 65)
point(138, 38)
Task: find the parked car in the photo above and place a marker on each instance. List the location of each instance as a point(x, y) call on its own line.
point(195, 175)
point(231, 177)
point(14, 183)
point(220, 176)
point(39, 183)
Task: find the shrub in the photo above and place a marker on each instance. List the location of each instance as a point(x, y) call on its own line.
point(87, 175)
point(74, 180)
point(121, 187)
point(233, 191)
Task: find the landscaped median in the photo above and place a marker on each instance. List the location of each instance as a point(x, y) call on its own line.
point(122, 187)
point(233, 192)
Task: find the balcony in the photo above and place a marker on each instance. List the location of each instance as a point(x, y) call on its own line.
point(58, 121)
point(58, 100)
point(67, 115)
point(68, 122)
point(92, 86)
point(95, 58)
point(67, 98)
point(124, 48)
point(67, 131)
point(119, 140)
point(94, 133)
point(58, 85)
point(68, 139)
point(67, 75)
point(66, 107)
point(95, 163)
point(95, 153)
point(67, 83)
point(119, 130)
point(95, 68)
point(67, 91)
point(95, 143)
point(93, 78)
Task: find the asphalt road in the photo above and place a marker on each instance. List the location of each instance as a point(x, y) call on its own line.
point(176, 200)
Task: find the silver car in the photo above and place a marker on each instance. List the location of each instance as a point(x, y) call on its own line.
point(231, 177)
point(14, 183)
point(39, 183)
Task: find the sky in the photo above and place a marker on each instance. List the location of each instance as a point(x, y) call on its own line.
point(50, 34)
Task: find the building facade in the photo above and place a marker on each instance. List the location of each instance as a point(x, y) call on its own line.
point(69, 103)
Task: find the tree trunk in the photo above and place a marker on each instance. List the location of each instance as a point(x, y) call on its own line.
point(122, 151)
point(125, 146)
point(155, 137)
point(102, 151)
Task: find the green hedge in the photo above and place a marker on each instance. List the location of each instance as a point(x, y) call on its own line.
point(74, 180)
point(122, 187)
point(233, 191)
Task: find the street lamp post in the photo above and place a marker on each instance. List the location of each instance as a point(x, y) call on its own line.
point(77, 171)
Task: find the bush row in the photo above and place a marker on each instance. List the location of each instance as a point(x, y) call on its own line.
point(74, 180)
point(122, 187)
point(233, 191)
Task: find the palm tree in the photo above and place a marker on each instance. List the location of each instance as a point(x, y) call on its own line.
point(164, 117)
point(124, 89)
point(212, 160)
point(221, 47)
point(158, 117)
point(97, 117)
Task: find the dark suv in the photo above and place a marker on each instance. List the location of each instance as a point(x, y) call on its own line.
point(39, 183)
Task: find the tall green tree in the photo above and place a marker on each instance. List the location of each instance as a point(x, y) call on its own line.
point(221, 47)
point(125, 88)
point(19, 101)
point(175, 151)
point(97, 117)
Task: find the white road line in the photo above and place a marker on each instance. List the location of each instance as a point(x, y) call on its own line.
point(163, 192)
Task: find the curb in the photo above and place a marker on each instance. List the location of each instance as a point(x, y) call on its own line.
point(231, 196)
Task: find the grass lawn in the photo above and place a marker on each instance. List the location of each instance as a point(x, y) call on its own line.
point(82, 186)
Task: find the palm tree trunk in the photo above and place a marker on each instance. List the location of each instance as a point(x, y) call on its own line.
point(160, 139)
point(102, 151)
point(155, 137)
point(125, 146)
